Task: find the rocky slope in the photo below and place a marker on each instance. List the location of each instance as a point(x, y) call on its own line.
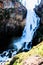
point(36, 52)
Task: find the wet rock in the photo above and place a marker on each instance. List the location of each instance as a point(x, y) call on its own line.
point(39, 10)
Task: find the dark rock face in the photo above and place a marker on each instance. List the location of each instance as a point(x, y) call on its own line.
point(12, 22)
point(39, 10)
point(1, 4)
point(39, 33)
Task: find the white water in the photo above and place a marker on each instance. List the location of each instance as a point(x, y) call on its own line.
point(32, 23)
point(30, 4)
point(31, 19)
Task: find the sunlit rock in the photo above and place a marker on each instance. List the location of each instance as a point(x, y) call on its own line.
point(34, 56)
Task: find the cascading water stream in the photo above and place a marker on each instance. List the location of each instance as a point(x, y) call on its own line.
point(32, 23)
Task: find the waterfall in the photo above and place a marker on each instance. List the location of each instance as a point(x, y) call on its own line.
point(32, 24)
point(30, 4)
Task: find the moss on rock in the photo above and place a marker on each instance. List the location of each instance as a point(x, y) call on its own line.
point(18, 59)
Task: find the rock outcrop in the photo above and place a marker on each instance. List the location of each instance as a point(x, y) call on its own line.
point(32, 57)
point(39, 33)
point(12, 23)
point(39, 10)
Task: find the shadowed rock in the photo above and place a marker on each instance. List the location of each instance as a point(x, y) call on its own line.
point(39, 10)
point(12, 23)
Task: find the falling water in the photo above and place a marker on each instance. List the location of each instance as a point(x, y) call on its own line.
point(32, 23)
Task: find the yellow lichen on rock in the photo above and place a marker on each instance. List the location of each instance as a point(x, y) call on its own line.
point(36, 50)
